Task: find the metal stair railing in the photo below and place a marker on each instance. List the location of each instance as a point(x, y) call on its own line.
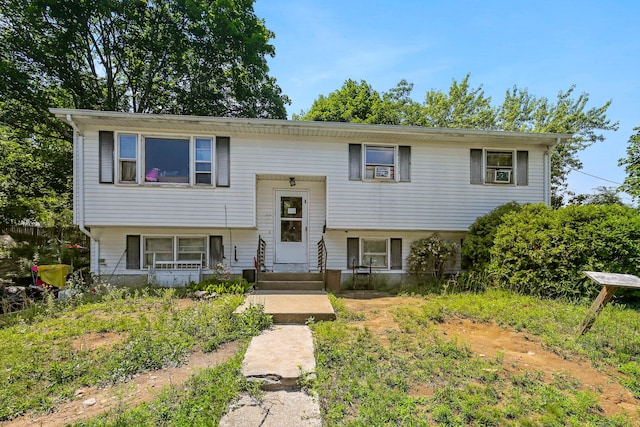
point(322, 256)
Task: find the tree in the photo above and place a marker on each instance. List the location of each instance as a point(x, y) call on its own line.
point(525, 113)
point(200, 57)
point(172, 56)
point(603, 196)
point(463, 107)
point(631, 163)
point(466, 107)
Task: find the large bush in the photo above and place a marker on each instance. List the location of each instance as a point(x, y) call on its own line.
point(544, 252)
point(431, 257)
point(476, 248)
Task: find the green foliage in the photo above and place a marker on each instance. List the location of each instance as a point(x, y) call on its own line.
point(237, 285)
point(478, 242)
point(196, 58)
point(631, 165)
point(466, 107)
point(543, 252)
point(430, 257)
point(41, 365)
point(602, 196)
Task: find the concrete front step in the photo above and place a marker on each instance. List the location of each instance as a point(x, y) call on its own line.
point(288, 285)
point(289, 276)
point(294, 307)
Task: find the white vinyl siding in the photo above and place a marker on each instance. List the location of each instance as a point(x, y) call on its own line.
point(438, 197)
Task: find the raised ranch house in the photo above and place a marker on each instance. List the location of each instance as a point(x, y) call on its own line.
point(167, 198)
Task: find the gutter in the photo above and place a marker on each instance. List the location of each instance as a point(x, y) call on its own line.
point(78, 183)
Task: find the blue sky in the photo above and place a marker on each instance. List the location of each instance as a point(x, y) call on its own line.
point(544, 46)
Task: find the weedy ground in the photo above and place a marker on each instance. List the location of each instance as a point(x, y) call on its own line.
point(489, 358)
point(46, 354)
point(416, 360)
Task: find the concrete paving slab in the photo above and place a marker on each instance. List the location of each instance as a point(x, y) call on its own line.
point(275, 409)
point(292, 306)
point(278, 357)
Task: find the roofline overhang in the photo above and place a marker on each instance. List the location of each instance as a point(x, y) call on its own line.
point(279, 126)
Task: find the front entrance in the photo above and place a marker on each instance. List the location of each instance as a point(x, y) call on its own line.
point(291, 231)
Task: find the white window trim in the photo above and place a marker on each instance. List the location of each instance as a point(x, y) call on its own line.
point(388, 250)
point(140, 151)
point(514, 162)
point(175, 238)
point(396, 176)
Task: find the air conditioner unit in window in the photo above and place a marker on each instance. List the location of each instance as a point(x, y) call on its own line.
point(502, 176)
point(382, 172)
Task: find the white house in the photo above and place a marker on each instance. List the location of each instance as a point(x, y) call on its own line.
point(175, 194)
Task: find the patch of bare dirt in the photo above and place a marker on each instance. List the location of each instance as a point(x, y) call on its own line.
point(520, 351)
point(90, 402)
point(95, 340)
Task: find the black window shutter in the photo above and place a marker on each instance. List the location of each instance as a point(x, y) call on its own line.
point(355, 162)
point(396, 254)
point(216, 250)
point(476, 166)
point(223, 160)
point(353, 251)
point(133, 252)
point(523, 168)
point(105, 148)
point(404, 158)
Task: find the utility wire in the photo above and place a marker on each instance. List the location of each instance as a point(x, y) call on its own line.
point(597, 177)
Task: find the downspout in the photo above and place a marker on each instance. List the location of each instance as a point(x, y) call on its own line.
point(78, 186)
point(547, 171)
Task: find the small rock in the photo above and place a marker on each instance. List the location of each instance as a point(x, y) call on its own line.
point(153, 377)
point(200, 294)
point(530, 353)
point(79, 392)
point(89, 402)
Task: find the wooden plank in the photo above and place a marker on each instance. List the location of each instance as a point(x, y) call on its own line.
point(603, 297)
point(614, 279)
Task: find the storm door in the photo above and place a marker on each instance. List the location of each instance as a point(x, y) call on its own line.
point(291, 227)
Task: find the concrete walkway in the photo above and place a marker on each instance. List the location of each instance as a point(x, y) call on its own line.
point(278, 358)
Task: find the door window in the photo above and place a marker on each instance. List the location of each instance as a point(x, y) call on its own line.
point(291, 219)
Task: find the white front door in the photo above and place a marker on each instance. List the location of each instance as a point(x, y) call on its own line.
point(291, 227)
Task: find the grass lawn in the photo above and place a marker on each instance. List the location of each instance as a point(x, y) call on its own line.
point(405, 360)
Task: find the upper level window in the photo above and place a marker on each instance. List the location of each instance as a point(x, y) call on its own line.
point(380, 162)
point(169, 159)
point(499, 167)
point(166, 160)
point(490, 166)
point(128, 153)
point(203, 161)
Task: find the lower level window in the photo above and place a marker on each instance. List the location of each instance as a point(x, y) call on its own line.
point(375, 252)
point(168, 251)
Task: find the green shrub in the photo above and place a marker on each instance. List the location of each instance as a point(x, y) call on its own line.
point(544, 252)
point(429, 258)
point(476, 248)
point(238, 285)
